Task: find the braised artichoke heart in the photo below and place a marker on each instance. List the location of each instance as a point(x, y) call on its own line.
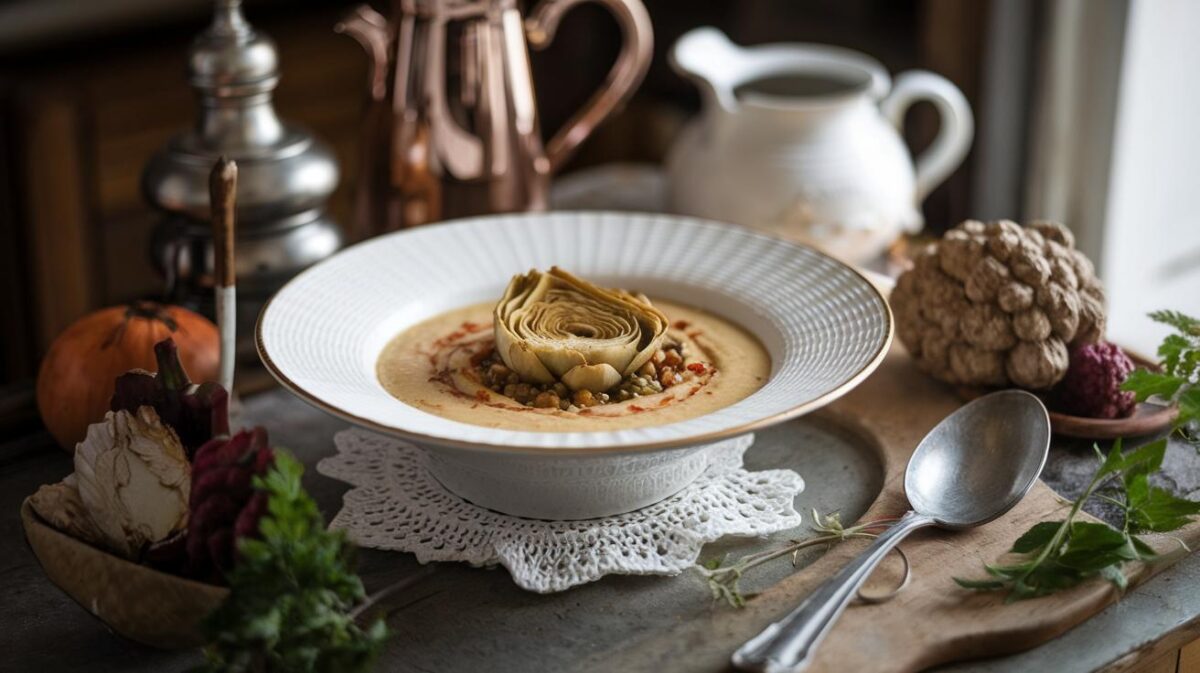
point(553, 326)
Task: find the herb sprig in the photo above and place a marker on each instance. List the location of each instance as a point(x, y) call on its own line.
point(291, 592)
point(1179, 380)
point(1056, 555)
point(725, 580)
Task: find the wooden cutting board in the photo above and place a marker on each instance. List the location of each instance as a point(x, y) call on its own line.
point(932, 621)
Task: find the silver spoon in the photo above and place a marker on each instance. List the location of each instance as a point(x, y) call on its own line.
point(974, 466)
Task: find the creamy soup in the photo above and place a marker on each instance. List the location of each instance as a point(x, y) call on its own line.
point(434, 366)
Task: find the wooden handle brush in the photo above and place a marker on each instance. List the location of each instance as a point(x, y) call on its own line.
point(222, 191)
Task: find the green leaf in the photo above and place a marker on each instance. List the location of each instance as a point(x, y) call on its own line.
point(1093, 546)
point(1137, 488)
point(1008, 571)
point(1145, 551)
point(1181, 322)
point(1145, 384)
point(1145, 459)
point(1171, 351)
point(1046, 579)
point(1113, 462)
point(1036, 537)
point(1161, 511)
point(1139, 464)
point(1189, 406)
point(1189, 365)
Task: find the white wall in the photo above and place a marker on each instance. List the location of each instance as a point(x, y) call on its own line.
point(1151, 237)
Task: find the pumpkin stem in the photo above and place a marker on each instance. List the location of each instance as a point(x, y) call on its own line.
point(150, 310)
point(146, 310)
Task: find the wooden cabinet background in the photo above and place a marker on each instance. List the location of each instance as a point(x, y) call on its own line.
point(80, 118)
point(80, 124)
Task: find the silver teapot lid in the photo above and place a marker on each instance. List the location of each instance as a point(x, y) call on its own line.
point(283, 169)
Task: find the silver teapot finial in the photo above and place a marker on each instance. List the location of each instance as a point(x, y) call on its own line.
point(228, 19)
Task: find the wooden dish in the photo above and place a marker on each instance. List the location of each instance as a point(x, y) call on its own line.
point(1147, 418)
point(136, 601)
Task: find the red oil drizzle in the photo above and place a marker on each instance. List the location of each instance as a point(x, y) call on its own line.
point(452, 342)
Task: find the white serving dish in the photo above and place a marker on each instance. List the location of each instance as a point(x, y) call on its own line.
point(824, 325)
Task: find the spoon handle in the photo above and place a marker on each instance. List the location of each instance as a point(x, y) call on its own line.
point(787, 645)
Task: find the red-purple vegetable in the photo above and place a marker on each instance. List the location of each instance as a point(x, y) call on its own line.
point(197, 413)
point(1092, 386)
point(224, 504)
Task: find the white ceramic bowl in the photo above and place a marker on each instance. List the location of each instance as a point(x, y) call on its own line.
point(824, 325)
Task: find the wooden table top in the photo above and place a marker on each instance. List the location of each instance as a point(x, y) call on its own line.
point(460, 618)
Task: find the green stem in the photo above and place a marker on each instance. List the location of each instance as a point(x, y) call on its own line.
point(170, 369)
point(1060, 534)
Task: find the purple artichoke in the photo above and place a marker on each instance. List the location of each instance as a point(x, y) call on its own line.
point(224, 504)
point(1092, 386)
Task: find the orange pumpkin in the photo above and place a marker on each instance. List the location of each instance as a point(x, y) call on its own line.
point(75, 382)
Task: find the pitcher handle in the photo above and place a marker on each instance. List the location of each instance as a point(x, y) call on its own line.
point(632, 63)
point(954, 137)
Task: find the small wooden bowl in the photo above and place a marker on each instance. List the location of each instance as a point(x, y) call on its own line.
point(1147, 417)
point(151, 607)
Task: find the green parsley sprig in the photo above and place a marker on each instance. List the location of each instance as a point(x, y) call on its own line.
point(1056, 555)
point(291, 592)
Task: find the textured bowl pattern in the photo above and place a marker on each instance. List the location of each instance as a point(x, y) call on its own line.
point(825, 326)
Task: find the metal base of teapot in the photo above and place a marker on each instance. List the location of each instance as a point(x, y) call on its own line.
point(267, 257)
point(285, 176)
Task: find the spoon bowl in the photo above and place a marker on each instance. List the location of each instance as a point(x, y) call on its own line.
point(971, 468)
point(980, 460)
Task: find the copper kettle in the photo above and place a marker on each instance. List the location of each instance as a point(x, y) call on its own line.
point(451, 128)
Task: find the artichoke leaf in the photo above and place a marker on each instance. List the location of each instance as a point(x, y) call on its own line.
point(521, 358)
point(592, 377)
point(134, 480)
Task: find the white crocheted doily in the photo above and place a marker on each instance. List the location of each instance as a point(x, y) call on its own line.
point(396, 505)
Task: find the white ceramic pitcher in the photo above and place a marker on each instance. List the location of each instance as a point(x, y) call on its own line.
point(801, 141)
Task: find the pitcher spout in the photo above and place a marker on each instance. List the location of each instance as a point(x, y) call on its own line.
point(372, 31)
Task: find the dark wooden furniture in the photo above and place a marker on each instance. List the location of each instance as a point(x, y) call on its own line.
point(86, 98)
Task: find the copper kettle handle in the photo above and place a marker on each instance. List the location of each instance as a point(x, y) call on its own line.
point(370, 28)
point(628, 71)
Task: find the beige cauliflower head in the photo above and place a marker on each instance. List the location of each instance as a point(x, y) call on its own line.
point(998, 304)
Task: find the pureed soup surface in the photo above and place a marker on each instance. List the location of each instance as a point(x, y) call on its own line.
point(433, 367)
